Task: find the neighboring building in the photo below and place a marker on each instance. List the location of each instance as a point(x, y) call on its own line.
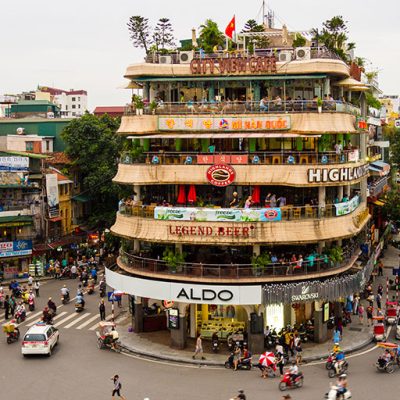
point(112, 111)
point(34, 108)
point(194, 241)
point(29, 143)
point(72, 103)
point(392, 105)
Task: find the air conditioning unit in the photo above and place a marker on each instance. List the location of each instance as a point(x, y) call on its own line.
point(303, 53)
point(285, 56)
point(185, 57)
point(165, 59)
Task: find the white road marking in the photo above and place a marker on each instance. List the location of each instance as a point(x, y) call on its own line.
point(94, 327)
point(65, 319)
point(87, 322)
point(33, 316)
point(75, 321)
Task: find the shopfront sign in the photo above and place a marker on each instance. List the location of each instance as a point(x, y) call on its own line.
point(16, 248)
point(374, 121)
point(347, 207)
point(222, 159)
point(318, 175)
point(304, 294)
point(173, 318)
point(225, 124)
point(14, 164)
point(52, 195)
point(209, 230)
point(185, 292)
point(220, 175)
point(231, 64)
point(218, 214)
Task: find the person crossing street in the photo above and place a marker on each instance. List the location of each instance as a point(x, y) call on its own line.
point(102, 310)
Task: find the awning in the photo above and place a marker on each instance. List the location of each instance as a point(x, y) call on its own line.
point(17, 220)
point(81, 198)
point(349, 82)
point(55, 219)
point(227, 135)
point(379, 166)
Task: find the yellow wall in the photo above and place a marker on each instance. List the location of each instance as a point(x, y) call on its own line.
point(64, 193)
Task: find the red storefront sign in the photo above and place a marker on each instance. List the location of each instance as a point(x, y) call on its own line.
point(222, 159)
point(239, 159)
point(205, 159)
point(220, 175)
point(231, 231)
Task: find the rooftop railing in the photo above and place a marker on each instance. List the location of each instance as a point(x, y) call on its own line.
point(286, 157)
point(282, 54)
point(192, 107)
point(312, 264)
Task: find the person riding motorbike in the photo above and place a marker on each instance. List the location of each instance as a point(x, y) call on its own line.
point(339, 359)
point(65, 292)
point(293, 371)
point(47, 318)
point(79, 291)
point(111, 338)
point(20, 311)
point(80, 300)
point(341, 384)
point(102, 286)
point(52, 306)
point(384, 358)
point(246, 356)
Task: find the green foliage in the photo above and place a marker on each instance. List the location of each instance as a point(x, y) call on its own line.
point(139, 31)
point(93, 146)
point(260, 263)
point(372, 101)
point(334, 36)
point(173, 259)
point(391, 209)
point(394, 152)
point(138, 101)
point(319, 102)
point(335, 254)
point(258, 41)
point(163, 35)
point(210, 36)
point(299, 40)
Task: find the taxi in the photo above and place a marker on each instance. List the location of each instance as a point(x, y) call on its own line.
point(40, 339)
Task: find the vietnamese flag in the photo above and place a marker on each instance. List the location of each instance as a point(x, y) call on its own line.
point(231, 28)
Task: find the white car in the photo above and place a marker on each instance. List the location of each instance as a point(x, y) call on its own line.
point(40, 339)
point(398, 329)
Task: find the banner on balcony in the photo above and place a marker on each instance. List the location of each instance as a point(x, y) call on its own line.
point(194, 123)
point(14, 164)
point(317, 290)
point(52, 195)
point(218, 214)
point(347, 207)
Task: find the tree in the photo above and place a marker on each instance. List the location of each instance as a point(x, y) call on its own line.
point(299, 40)
point(334, 36)
point(210, 36)
point(139, 30)
point(94, 146)
point(372, 101)
point(163, 34)
point(260, 42)
point(394, 136)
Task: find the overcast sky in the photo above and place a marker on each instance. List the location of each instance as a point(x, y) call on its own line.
point(84, 44)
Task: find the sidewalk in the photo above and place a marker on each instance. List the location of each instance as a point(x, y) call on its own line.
point(156, 344)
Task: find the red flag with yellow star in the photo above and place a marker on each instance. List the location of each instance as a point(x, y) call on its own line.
point(231, 28)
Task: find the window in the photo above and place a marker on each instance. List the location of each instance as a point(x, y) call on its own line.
point(73, 99)
point(34, 337)
point(79, 99)
point(73, 114)
point(47, 145)
point(73, 106)
point(66, 107)
point(29, 146)
point(79, 106)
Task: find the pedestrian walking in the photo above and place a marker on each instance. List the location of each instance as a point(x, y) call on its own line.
point(13, 304)
point(30, 281)
point(117, 387)
point(370, 311)
point(361, 314)
point(199, 347)
point(7, 307)
point(280, 362)
point(298, 349)
point(380, 268)
point(356, 304)
point(102, 310)
point(36, 286)
point(378, 300)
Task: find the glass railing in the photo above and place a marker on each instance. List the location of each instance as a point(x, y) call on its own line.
point(311, 264)
point(286, 157)
point(242, 107)
point(232, 215)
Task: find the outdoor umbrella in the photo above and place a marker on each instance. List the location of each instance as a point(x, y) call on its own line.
point(267, 359)
point(192, 195)
point(181, 195)
point(256, 194)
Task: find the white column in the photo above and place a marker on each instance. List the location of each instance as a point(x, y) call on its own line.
point(136, 189)
point(256, 250)
point(321, 196)
point(178, 247)
point(347, 190)
point(340, 193)
point(136, 246)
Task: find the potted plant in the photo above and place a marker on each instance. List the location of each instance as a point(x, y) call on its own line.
point(153, 107)
point(260, 263)
point(319, 104)
point(173, 260)
point(335, 255)
point(139, 104)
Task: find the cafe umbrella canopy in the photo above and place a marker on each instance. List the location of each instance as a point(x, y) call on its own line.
point(318, 290)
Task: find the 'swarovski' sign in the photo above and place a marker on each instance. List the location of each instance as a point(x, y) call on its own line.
point(317, 175)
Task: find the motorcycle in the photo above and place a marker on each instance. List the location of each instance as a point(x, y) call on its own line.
point(65, 273)
point(342, 369)
point(79, 307)
point(243, 364)
point(31, 304)
point(102, 291)
point(90, 289)
point(329, 361)
point(65, 298)
point(383, 366)
point(20, 316)
point(334, 395)
point(215, 345)
point(12, 333)
point(288, 383)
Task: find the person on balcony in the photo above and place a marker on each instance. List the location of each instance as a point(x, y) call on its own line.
point(273, 201)
point(235, 201)
point(249, 202)
point(264, 104)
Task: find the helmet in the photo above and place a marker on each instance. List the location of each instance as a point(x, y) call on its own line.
point(343, 376)
point(65, 286)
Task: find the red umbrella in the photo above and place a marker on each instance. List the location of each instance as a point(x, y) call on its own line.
point(256, 194)
point(181, 195)
point(192, 194)
point(267, 359)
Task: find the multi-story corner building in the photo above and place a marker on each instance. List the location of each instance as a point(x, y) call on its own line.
point(249, 184)
point(72, 103)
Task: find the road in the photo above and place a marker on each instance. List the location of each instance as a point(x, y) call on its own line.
point(79, 370)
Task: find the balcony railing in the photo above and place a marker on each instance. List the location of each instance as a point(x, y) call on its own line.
point(312, 264)
point(192, 107)
point(285, 213)
point(288, 157)
point(290, 55)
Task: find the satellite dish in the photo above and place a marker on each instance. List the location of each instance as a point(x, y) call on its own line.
point(20, 131)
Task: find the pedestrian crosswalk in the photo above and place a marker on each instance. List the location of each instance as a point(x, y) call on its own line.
point(66, 320)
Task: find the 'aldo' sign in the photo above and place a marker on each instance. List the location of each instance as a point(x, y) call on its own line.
point(205, 294)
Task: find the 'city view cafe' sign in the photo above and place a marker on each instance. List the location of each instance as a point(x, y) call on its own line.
point(317, 175)
point(232, 64)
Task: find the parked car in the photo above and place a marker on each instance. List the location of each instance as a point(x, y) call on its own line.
point(40, 339)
